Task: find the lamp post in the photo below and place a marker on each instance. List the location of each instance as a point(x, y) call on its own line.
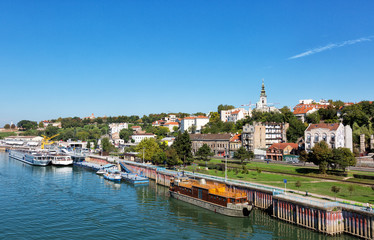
point(225, 165)
point(143, 155)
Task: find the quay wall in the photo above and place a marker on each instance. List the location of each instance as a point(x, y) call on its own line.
point(331, 219)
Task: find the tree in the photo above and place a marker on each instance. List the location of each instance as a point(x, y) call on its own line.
point(150, 148)
point(224, 107)
point(13, 126)
point(50, 131)
point(106, 145)
point(313, 117)
point(335, 190)
point(320, 156)
point(182, 144)
point(89, 145)
point(41, 124)
point(172, 157)
point(351, 189)
point(295, 130)
point(204, 152)
point(298, 185)
point(214, 117)
point(192, 129)
point(125, 134)
point(160, 158)
point(82, 135)
point(27, 125)
point(7, 126)
point(303, 156)
point(243, 154)
point(342, 158)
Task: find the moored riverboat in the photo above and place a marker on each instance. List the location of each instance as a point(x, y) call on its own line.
point(62, 160)
point(212, 196)
point(31, 157)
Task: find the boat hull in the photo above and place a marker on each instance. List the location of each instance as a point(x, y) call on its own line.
point(62, 163)
point(239, 212)
point(117, 180)
point(27, 158)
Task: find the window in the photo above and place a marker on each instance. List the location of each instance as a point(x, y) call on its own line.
point(308, 138)
point(324, 137)
point(316, 138)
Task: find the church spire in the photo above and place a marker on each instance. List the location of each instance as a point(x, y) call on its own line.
point(263, 89)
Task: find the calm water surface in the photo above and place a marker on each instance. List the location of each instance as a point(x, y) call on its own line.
point(73, 203)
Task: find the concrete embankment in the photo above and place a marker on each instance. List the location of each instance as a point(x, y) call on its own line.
point(327, 217)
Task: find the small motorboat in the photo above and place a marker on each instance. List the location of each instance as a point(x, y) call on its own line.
point(113, 175)
point(101, 172)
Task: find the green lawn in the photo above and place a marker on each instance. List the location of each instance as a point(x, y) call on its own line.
point(318, 186)
point(7, 134)
point(299, 170)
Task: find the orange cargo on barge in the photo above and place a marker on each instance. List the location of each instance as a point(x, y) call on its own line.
point(211, 195)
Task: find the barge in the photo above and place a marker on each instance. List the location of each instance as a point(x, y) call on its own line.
point(212, 196)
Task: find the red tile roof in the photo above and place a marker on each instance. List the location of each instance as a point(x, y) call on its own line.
point(284, 145)
point(330, 126)
point(135, 127)
point(235, 112)
point(195, 117)
point(171, 123)
point(304, 108)
point(236, 138)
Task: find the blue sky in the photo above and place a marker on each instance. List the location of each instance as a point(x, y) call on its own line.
point(74, 58)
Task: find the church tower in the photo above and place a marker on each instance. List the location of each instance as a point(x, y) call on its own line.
point(262, 104)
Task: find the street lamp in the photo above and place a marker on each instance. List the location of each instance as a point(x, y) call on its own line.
point(143, 155)
point(225, 165)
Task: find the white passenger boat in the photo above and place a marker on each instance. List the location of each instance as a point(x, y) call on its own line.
point(61, 160)
point(31, 157)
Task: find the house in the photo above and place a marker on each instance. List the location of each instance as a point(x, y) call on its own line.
point(138, 137)
point(117, 127)
point(263, 135)
point(218, 143)
point(235, 144)
point(234, 115)
point(308, 106)
point(136, 128)
point(193, 124)
point(168, 140)
point(334, 134)
point(171, 125)
point(158, 123)
point(277, 151)
point(54, 124)
point(90, 117)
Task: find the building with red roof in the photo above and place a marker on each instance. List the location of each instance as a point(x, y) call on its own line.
point(277, 151)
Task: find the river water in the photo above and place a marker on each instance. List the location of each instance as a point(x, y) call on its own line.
point(74, 203)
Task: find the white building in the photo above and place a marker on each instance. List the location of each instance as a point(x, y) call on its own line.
point(171, 125)
point(187, 123)
point(234, 115)
point(334, 134)
point(138, 137)
point(117, 127)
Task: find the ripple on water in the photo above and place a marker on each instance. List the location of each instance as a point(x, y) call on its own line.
point(73, 203)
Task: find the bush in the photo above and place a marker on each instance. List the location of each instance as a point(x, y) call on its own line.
point(363, 176)
point(258, 170)
point(337, 173)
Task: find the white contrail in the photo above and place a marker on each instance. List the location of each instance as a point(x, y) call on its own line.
point(331, 46)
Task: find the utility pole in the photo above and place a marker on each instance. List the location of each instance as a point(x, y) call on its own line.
point(143, 154)
point(225, 165)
